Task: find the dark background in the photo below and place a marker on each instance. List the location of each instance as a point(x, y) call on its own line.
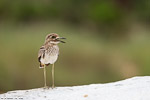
point(107, 40)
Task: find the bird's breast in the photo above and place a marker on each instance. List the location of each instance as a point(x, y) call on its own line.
point(51, 55)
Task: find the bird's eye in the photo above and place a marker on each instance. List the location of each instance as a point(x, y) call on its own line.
point(53, 37)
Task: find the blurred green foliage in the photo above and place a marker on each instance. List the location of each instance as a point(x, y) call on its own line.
point(76, 11)
point(107, 40)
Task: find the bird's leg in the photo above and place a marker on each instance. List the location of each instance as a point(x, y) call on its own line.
point(45, 86)
point(53, 76)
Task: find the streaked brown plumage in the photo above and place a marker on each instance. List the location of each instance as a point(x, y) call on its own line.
point(49, 52)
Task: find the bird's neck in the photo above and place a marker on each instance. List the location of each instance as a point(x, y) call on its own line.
point(50, 44)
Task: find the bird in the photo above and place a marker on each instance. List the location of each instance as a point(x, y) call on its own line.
point(48, 54)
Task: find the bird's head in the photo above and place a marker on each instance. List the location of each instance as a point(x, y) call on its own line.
point(54, 38)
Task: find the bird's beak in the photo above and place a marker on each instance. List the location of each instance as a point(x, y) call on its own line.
point(59, 39)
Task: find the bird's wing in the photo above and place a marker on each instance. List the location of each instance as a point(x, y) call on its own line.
point(41, 53)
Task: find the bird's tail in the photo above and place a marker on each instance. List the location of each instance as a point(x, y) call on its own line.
point(41, 65)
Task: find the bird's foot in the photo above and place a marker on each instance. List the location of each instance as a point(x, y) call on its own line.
point(46, 87)
point(53, 86)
